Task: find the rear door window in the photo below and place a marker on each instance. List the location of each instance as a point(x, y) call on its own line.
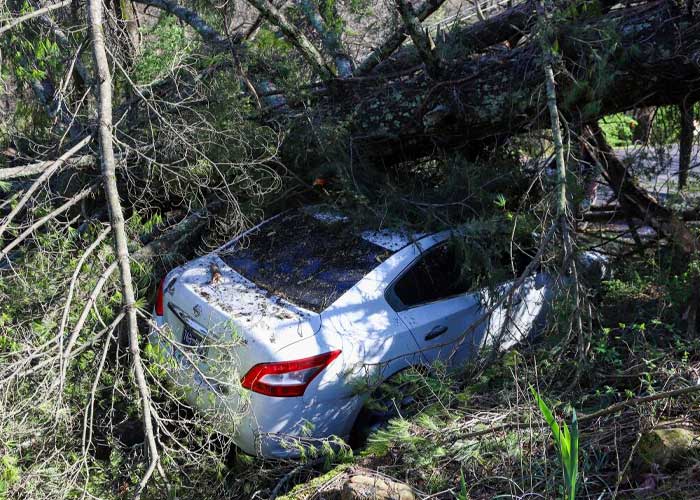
point(436, 275)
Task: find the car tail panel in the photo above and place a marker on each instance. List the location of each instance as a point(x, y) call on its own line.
point(215, 313)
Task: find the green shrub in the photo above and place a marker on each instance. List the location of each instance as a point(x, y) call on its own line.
point(618, 129)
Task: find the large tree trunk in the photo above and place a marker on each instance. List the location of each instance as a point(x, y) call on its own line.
point(640, 56)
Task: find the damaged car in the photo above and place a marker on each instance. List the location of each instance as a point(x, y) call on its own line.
point(277, 330)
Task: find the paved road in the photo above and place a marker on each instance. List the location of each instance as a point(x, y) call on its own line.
point(658, 168)
point(657, 171)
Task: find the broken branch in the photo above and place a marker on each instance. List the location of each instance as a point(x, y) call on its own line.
point(36, 13)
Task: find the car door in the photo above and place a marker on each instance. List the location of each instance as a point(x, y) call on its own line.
point(433, 299)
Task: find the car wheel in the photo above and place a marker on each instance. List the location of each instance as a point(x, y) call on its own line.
point(394, 398)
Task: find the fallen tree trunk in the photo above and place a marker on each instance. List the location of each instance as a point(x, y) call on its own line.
point(641, 56)
point(636, 201)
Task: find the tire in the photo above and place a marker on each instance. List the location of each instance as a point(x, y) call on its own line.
point(392, 399)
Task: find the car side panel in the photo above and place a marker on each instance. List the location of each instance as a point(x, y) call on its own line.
point(453, 330)
point(375, 342)
point(445, 330)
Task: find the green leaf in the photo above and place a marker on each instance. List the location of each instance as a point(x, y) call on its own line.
point(548, 416)
point(463, 494)
point(567, 441)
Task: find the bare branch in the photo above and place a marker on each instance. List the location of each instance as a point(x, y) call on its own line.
point(71, 289)
point(7, 174)
point(24, 170)
point(331, 40)
point(104, 97)
point(421, 38)
point(194, 20)
point(395, 41)
point(36, 225)
point(33, 14)
point(295, 36)
point(255, 26)
point(50, 170)
point(479, 12)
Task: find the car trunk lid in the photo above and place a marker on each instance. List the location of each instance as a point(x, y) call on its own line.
point(215, 310)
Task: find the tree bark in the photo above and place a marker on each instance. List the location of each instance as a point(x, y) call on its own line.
point(116, 216)
point(686, 142)
point(405, 115)
point(410, 116)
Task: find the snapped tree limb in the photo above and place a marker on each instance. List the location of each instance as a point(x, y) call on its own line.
point(331, 39)
point(294, 36)
point(31, 169)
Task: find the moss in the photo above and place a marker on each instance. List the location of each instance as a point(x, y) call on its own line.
point(304, 490)
point(666, 448)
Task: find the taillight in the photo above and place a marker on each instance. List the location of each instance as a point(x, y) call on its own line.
point(286, 378)
point(159, 298)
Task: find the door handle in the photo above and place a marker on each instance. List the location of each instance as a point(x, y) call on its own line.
point(436, 332)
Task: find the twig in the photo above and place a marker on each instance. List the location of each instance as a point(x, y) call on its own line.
point(35, 13)
point(71, 289)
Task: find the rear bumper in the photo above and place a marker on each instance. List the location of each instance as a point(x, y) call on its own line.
point(262, 425)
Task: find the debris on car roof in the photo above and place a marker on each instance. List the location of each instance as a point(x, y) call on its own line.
point(387, 238)
point(311, 256)
point(391, 239)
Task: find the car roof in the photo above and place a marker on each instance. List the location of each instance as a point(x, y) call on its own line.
point(392, 239)
point(311, 255)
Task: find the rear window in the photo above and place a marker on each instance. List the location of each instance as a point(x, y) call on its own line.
point(307, 261)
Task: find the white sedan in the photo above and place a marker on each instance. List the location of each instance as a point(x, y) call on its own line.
point(279, 332)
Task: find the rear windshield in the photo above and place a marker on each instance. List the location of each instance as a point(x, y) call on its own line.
point(307, 261)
